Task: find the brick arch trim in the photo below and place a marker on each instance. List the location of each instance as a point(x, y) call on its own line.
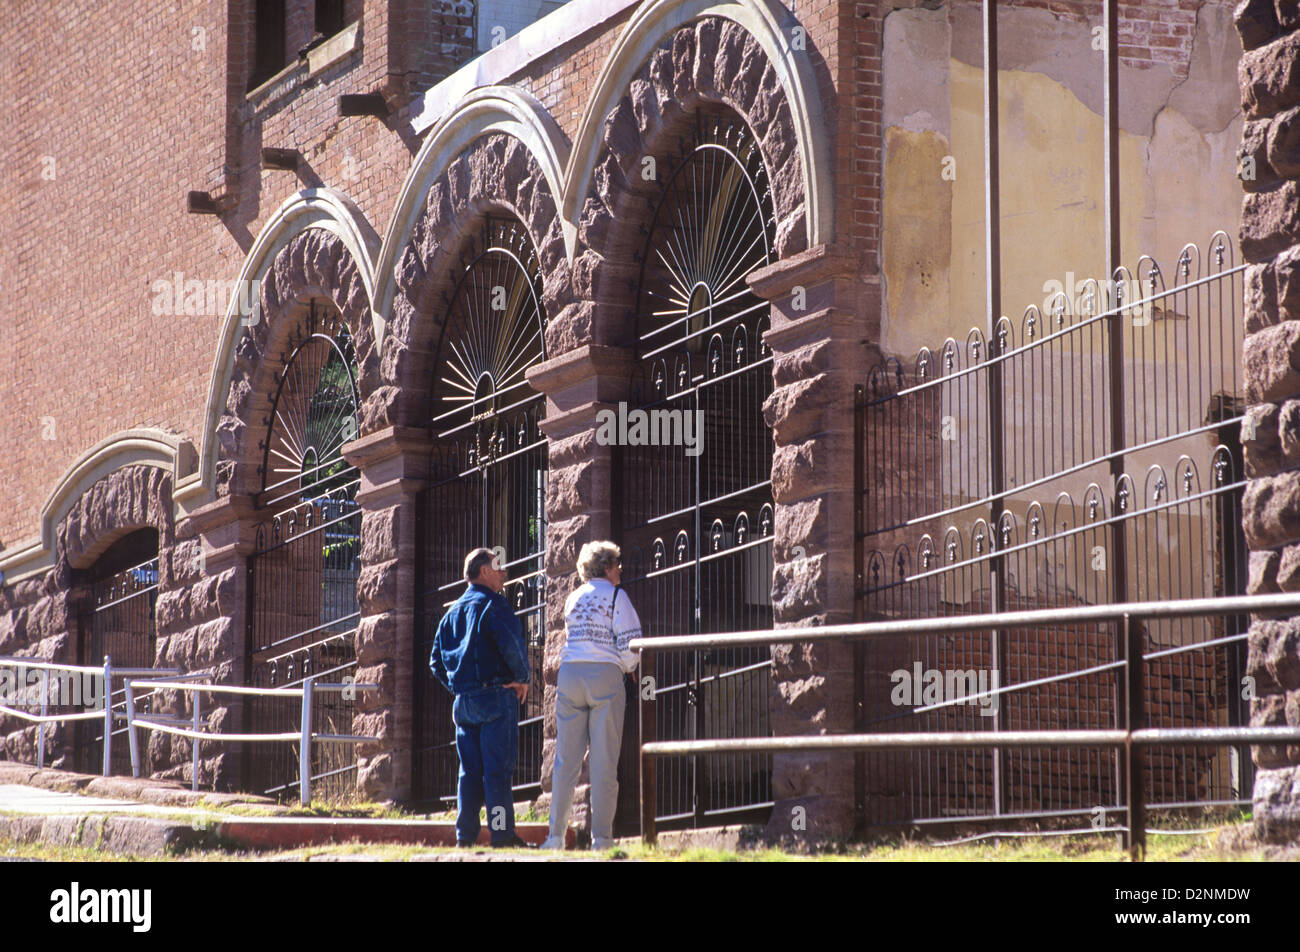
point(317, 243)
point(744, 54)
point(315, 263)
point(495, 173)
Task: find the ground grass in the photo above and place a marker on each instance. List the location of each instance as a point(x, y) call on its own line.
point(1225, 842)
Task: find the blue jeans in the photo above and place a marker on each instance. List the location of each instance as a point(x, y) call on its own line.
point(487, 740)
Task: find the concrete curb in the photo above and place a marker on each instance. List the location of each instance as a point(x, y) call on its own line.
point(134, 835)
point(142, 789)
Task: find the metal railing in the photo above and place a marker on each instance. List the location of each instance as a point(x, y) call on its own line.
point(305, 736)
point(107, 711)
point(1132, 740)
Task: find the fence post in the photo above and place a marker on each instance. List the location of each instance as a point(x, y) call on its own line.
point(108, 716)
point(648, 730)
point(1136, 759)
point(304, 749)
point(130, 727)
point(45, 702)
point(194, 747)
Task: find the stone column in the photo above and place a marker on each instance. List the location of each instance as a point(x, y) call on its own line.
point(202, 626)
point(1270, 243)
point(577, 384)
point(823, 315)
point(394, 464)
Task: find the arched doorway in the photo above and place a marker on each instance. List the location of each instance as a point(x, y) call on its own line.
point(487, 484)
point(693, 492)
point(118, 620)
point(303, 574)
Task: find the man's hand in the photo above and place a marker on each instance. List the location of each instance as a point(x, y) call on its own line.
point(520, 689)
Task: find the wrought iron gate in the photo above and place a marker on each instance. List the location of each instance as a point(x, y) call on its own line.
point(487, 486)
point(303, 611)
point(697, 517)
point(990, 483)
point(119, 622)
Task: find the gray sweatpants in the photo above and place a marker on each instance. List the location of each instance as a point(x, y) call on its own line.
point(588, 708)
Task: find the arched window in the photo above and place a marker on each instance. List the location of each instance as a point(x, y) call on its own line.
point(303, 573)
point(118, 620)
point(693, 492)
point(487, 482)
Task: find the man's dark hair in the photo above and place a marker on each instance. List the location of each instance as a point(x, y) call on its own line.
point(475, 561)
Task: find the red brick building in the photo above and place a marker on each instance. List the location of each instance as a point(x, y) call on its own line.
point(304, 300)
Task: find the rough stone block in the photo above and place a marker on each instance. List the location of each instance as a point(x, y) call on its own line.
point(1256, 22)
point(1271, 511)
point(1272, 363)
point(1268, 77)
point(1270, 221)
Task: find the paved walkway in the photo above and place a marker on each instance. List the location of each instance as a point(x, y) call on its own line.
point(34, 800)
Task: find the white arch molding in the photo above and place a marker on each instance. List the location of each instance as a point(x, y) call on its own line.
point(322, 208)
point(506, 109)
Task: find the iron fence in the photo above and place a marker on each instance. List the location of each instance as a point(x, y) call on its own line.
point(1009, 472)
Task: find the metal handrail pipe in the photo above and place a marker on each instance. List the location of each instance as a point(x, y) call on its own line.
point(200, 735)
point(1001, 621)
point(96, 714)
point(222, 689)
point(971, 739)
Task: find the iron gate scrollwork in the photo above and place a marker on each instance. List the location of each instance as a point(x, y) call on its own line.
point(303, 574)
point(694, 491)
point(487, 488)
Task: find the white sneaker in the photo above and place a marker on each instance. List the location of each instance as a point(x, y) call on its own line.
point(601, 845)
point(553, 842)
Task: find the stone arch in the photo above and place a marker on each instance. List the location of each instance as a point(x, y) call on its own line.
point(313, 264)
point(494, 173)
point(740, 54)
point(316, 244)
point(130, 498)
point(715, 61)
point(490, 109)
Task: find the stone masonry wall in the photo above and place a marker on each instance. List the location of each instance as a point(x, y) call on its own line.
point(1270, 243)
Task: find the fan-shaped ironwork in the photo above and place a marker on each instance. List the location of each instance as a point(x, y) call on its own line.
point(712, 228)
point(493, 333)
point(314, 410)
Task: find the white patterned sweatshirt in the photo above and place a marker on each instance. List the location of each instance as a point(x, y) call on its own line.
point(591, 634)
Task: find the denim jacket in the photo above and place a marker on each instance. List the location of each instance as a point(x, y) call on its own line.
point(479, 643)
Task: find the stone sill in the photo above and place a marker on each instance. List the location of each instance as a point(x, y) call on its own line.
point(337, 48)
point(334, 49)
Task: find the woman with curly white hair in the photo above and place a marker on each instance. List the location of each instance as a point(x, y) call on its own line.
point(599, 621)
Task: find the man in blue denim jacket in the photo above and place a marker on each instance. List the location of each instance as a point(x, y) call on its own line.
point(480, 657)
